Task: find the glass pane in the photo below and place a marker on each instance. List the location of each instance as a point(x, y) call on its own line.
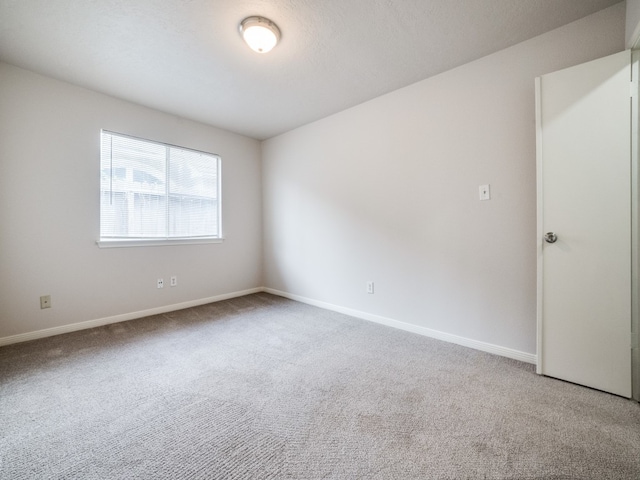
point(193, 194)
point(133, 188)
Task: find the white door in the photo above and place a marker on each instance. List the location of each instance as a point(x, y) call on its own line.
point(584, 198)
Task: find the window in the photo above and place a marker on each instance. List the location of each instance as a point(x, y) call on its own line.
point(153, 193)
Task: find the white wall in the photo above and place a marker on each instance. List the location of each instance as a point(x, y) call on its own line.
point(49, 210)
point(632, 28)
point(388, 191)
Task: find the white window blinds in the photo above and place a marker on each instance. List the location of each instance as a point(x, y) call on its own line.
point(150, 190)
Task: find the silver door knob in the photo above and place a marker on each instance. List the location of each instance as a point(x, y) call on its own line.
point(550, 237)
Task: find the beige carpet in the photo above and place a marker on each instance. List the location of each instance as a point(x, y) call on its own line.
point(261, 387)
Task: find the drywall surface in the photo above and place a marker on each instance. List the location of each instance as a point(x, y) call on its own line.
point(388, 192)
point(49, 210)
point(632, 30)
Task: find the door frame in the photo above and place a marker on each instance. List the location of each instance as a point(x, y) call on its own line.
point(635, 225)
point(539, 226)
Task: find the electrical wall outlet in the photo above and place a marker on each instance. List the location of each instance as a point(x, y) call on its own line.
point(369, 287)
point(45, 301)
point(174, 280)
point(160, 283)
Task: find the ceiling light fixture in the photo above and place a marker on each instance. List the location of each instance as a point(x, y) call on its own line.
point(260, 33)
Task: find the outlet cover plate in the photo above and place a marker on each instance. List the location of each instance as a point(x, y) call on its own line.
point(45, 301)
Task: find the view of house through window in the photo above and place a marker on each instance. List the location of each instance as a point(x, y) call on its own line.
point(150, 190)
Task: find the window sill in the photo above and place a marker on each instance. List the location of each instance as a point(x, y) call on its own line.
point(154, 242)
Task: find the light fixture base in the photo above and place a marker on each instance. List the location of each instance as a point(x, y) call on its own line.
point(260, 33)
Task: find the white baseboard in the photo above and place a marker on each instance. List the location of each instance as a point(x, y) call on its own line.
point(49, 332)
point(427, 332)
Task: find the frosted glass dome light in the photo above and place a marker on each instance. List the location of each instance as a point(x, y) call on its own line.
point(260, 33)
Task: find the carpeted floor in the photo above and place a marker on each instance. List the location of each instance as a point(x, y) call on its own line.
point(260, 387)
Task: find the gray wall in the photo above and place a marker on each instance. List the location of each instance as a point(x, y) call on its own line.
point(388, 191)
point(49, 210)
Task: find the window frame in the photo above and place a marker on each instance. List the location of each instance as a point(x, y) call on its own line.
point(110, 242)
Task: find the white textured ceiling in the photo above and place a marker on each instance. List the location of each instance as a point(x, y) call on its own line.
point(186, 56)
